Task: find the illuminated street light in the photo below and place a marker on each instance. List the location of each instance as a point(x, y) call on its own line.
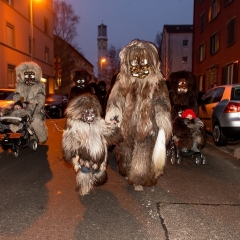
point(102, 61)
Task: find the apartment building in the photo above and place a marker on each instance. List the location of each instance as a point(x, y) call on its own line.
point(176, 49)
point(216, 42)
point(26, 35)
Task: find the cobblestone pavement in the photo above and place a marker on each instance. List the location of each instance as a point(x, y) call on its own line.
point(229, 148)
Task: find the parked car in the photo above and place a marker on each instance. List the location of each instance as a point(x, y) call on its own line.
point(219, 109)
point(6, 97)
point(55, 105)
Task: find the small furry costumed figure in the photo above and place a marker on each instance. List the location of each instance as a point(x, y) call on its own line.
point(139, 102)
point(85, 140)
point(188, 130)
point(32, 90)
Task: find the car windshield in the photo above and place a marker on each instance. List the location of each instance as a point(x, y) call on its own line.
point(9, 97)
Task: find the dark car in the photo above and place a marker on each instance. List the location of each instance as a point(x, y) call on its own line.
point(220, 111)
point(55, 105)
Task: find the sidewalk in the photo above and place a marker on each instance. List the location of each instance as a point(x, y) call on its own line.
point(233, 147)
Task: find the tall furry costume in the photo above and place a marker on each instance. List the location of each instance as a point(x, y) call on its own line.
point(85, 141)
point(139, 102)
point(188, 130)
point(81, 80)
point(32, 90)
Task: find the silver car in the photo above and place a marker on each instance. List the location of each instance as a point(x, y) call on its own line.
point(219, 109)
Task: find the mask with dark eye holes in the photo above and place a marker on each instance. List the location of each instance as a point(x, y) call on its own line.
point(88, 115)
point(81, 83)
point(182, 86)
point(139, 68)
point(29, 78)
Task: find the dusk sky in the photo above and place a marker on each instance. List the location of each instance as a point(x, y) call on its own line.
point(125, 21)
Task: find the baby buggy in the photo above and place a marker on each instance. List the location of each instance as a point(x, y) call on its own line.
point(188, 139)
point(22, 138)
point(176, 153)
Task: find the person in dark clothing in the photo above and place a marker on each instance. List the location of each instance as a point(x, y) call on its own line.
point(81, 80)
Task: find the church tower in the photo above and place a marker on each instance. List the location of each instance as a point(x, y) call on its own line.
point(102, 51)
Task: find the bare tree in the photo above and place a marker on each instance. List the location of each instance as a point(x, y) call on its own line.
point(65, 21)
point(113, 61)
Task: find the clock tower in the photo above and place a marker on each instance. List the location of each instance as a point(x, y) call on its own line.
point(102, 51)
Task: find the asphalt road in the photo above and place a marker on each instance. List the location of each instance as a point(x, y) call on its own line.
point(38, 199)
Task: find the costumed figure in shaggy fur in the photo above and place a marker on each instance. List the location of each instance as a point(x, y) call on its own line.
point(139, 102)
point(81, 80)
point(30, 97)
point(85, 141)
point(188, 130)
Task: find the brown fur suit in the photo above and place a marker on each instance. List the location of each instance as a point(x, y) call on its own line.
point(84, 142)
point(182, 96)
point(34, 94)
point(139, 101)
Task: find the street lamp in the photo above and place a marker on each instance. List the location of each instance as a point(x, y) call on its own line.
point(102, 61)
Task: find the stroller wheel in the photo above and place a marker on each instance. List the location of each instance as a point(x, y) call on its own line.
point(16, 153)
point(203, 160)
point(33, 144)
point(198, 159)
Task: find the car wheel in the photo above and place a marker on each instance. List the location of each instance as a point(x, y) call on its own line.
point(60, 113)
point(218, 137)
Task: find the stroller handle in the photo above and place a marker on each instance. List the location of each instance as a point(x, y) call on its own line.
point(10, 117)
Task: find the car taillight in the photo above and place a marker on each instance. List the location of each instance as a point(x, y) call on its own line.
point(232, 107)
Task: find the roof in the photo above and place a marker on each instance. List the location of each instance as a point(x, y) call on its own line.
point(179, 28)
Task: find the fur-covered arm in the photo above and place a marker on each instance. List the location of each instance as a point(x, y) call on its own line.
point(112, 134)
point(115, 105)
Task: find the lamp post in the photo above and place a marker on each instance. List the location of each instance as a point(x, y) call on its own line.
point(102, 61)
point(31, 20)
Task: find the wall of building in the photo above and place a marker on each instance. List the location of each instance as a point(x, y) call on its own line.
point(18, 17)
point(211, 68)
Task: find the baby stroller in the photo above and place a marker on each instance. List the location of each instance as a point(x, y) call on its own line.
point(22, 138)
point(187, 140)
point(175, 153)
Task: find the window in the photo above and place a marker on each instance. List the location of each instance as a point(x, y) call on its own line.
point(200, 83)
point(202, 21)
point(11, 76)
point(230, 73)
point(214, 43)
point(184, 59)
point(231, 32)
point(185, 42)
point(10, 35)
point(46, 54)
point(227, 2)
point(46, 25)
point(202, 52)
point(214, 10)
point(10, 2)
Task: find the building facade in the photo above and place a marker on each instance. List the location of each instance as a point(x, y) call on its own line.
point(26, 35)
point(67, 60)
point(176, 49)
point(216, 48)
